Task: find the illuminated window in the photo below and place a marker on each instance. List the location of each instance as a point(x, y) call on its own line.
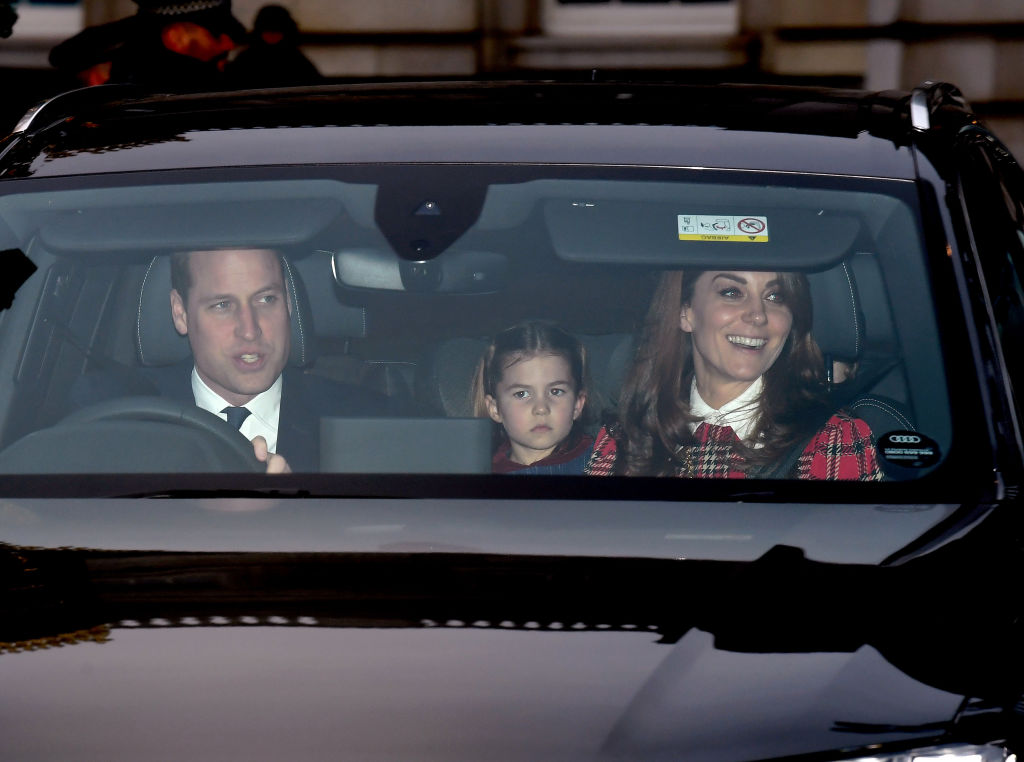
point(641, 17)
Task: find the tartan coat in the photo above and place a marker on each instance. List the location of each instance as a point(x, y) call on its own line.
point(842, 449)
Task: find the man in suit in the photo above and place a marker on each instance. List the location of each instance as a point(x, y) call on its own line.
point(233, 307)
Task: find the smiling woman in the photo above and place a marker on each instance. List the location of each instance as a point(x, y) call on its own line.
point(727, 383)
point(739, 323)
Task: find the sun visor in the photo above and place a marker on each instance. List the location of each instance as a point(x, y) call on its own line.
point(209, 215)
point(192, 226)
point(689, 235)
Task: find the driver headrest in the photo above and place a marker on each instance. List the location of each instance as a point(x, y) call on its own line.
point(158, 342)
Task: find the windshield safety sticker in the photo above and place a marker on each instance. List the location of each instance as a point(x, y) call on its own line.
point(717, 227)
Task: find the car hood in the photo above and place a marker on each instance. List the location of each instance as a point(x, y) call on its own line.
point(437, 629)
point(733, 531)
point(220, 691)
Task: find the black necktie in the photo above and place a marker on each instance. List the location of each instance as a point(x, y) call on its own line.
point(236, 415)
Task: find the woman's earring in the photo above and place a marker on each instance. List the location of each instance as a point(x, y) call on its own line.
point(684, 322)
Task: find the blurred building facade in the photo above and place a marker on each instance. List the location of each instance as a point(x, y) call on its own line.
point(877, 44)
point(883, 44)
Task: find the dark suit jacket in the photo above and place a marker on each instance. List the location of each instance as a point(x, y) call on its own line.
point(304, 400)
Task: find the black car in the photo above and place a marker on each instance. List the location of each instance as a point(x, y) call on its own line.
point(599, 420)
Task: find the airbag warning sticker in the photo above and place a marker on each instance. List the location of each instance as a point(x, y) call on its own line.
point(712, 227)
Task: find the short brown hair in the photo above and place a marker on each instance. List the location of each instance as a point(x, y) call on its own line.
point(181, 272)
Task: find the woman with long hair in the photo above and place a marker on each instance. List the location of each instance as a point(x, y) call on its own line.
point(727, 382)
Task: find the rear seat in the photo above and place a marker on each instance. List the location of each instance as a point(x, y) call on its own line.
point(445, 379)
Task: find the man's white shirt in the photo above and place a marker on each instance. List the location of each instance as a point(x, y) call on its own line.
point(264, 409)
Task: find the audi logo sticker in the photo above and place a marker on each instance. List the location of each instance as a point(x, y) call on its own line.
point(907, 449)
point(905, 439)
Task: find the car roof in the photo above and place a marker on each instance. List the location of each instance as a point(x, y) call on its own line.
point(763, 128)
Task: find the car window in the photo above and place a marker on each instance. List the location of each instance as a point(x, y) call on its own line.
point(611, 297)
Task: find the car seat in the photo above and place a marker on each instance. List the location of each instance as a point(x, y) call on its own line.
point(853, 324)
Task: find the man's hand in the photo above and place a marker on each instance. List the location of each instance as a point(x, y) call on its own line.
point(276, 464)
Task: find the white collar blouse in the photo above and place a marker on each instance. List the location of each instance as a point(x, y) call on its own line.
point(739, 414)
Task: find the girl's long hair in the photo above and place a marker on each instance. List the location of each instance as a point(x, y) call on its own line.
point(654, 406)
point(523, 341)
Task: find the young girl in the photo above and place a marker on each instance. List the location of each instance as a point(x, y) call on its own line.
point(531, 382)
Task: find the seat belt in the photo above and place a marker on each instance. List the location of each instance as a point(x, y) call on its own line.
point(783, 468)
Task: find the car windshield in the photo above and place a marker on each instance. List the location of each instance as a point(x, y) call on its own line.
point(458, 320)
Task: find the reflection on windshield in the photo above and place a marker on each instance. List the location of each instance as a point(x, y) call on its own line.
point(778, 603)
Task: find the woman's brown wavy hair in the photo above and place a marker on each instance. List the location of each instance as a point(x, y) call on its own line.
point(654, 405)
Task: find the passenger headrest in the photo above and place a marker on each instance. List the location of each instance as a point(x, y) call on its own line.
point(159, 344)
point(445, 381)
point(879, 328)
point(838, 324)
point(609, 357)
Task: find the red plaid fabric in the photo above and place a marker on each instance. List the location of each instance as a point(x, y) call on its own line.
point(713, 457)
point(602, 457)
point(843, 449)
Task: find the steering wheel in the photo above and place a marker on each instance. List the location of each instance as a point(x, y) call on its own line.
point(134, 434)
